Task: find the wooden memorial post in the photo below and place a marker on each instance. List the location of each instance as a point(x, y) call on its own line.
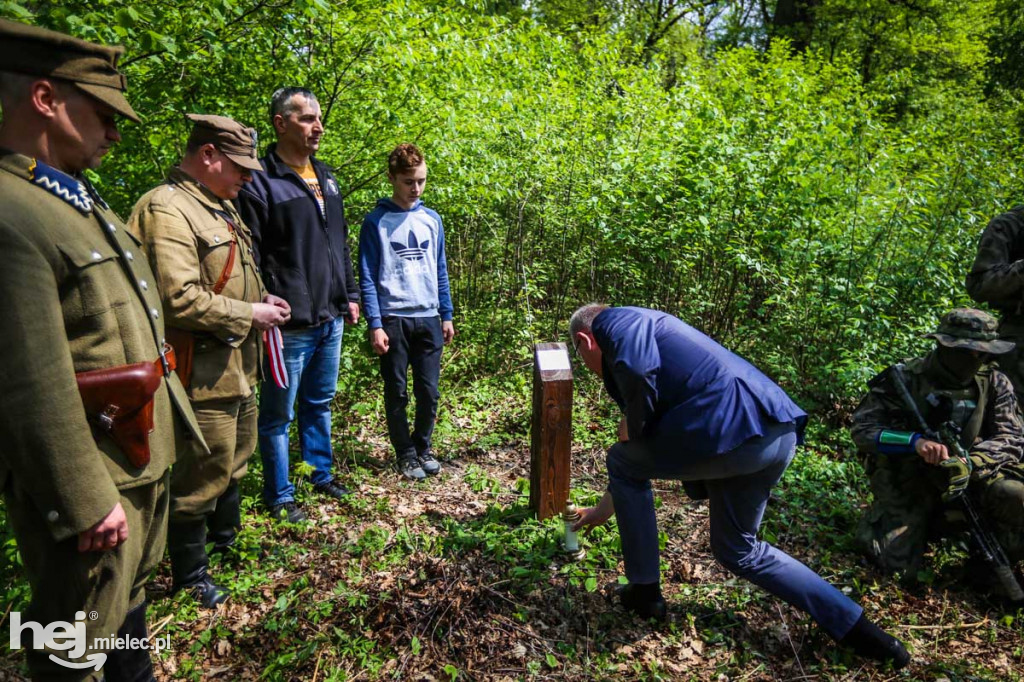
point(551, 429)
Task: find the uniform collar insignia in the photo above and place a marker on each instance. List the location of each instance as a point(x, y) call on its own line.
point(62, 186)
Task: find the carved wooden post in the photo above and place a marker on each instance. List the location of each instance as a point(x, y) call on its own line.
point(551, 431)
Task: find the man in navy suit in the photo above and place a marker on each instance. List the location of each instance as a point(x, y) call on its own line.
point(696, 412)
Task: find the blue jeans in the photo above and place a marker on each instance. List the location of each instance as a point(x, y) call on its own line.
point(311, 357)
point(738, 484)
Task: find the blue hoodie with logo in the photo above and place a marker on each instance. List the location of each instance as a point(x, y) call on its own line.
point(402, 267)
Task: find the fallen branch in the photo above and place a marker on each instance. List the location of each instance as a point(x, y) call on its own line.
point(160, 626)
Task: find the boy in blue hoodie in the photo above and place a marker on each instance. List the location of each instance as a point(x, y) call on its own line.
point(407, 302)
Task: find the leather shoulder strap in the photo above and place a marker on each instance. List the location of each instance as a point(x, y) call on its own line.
point(225, 274)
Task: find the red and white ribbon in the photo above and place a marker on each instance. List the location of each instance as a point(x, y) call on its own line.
point(274, 342)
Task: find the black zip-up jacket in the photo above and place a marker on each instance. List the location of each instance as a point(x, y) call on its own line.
point(304, 257)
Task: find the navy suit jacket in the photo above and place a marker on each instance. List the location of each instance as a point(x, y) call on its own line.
point(671, 380)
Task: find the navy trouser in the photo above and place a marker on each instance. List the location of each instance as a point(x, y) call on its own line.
point(415, 341)
point(738, 484)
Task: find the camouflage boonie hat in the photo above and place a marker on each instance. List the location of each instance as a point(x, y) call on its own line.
point(971, 328)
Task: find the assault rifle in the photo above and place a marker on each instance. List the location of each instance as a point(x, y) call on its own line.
point(946, 434)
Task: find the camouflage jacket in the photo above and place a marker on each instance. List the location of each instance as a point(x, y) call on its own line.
point(994, 437)
point(997, 276)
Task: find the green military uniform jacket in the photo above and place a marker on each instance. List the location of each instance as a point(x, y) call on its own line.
point(997, 276)
point(77, 296)
point(184, 229)
point(993, 435)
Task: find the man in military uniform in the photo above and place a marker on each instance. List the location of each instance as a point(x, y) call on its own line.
point(83, 471)
point(958, 382)
point(216, 308)
point(995, 279)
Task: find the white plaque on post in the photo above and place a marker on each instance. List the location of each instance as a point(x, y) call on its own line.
point(553, 359)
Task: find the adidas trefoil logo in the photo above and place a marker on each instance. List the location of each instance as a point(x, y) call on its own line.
point(414, 251)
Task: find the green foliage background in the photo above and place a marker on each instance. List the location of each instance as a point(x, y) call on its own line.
point(811, 218)
point(814, 209)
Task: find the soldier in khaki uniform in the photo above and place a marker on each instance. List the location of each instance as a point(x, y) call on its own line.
point(956, 382)
point(216, 309)
point(83, 471)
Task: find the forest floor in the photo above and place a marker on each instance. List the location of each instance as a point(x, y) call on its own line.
point(454, 579)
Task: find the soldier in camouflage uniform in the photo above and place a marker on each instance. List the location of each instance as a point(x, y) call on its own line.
point(957, 381)
point(995, 279)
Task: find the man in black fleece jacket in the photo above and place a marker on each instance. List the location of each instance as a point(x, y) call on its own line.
point(295, 211)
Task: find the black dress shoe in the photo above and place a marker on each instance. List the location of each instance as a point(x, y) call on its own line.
point(870, 641)
point(332, 489)
point(643, 600)
point(287, 511)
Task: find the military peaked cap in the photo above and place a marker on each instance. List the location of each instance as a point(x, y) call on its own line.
point(230, 137)
point(35, 51)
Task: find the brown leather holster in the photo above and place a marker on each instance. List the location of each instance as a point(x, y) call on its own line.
point(184, 343)
point(119, 403)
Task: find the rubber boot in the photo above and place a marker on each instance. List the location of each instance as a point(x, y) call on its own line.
point(870, 641)
point(130, 665)
point(223, 524)
point(186, 543)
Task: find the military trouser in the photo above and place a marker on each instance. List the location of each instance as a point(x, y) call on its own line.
point(104, 584)
point(1002, 507)
point(908, 511)
point(197, 480)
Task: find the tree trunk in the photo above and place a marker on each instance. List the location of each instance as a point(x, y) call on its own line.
point(794, 19)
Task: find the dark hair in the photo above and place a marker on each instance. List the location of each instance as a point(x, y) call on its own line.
point(404, 157)
point(14, 87)
point(281, 100)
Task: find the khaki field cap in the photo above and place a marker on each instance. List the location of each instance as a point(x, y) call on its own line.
point(231, 138)
point(35, 51)
point(970, 328)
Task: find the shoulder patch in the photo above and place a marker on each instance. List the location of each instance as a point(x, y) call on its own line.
point(62, 186)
